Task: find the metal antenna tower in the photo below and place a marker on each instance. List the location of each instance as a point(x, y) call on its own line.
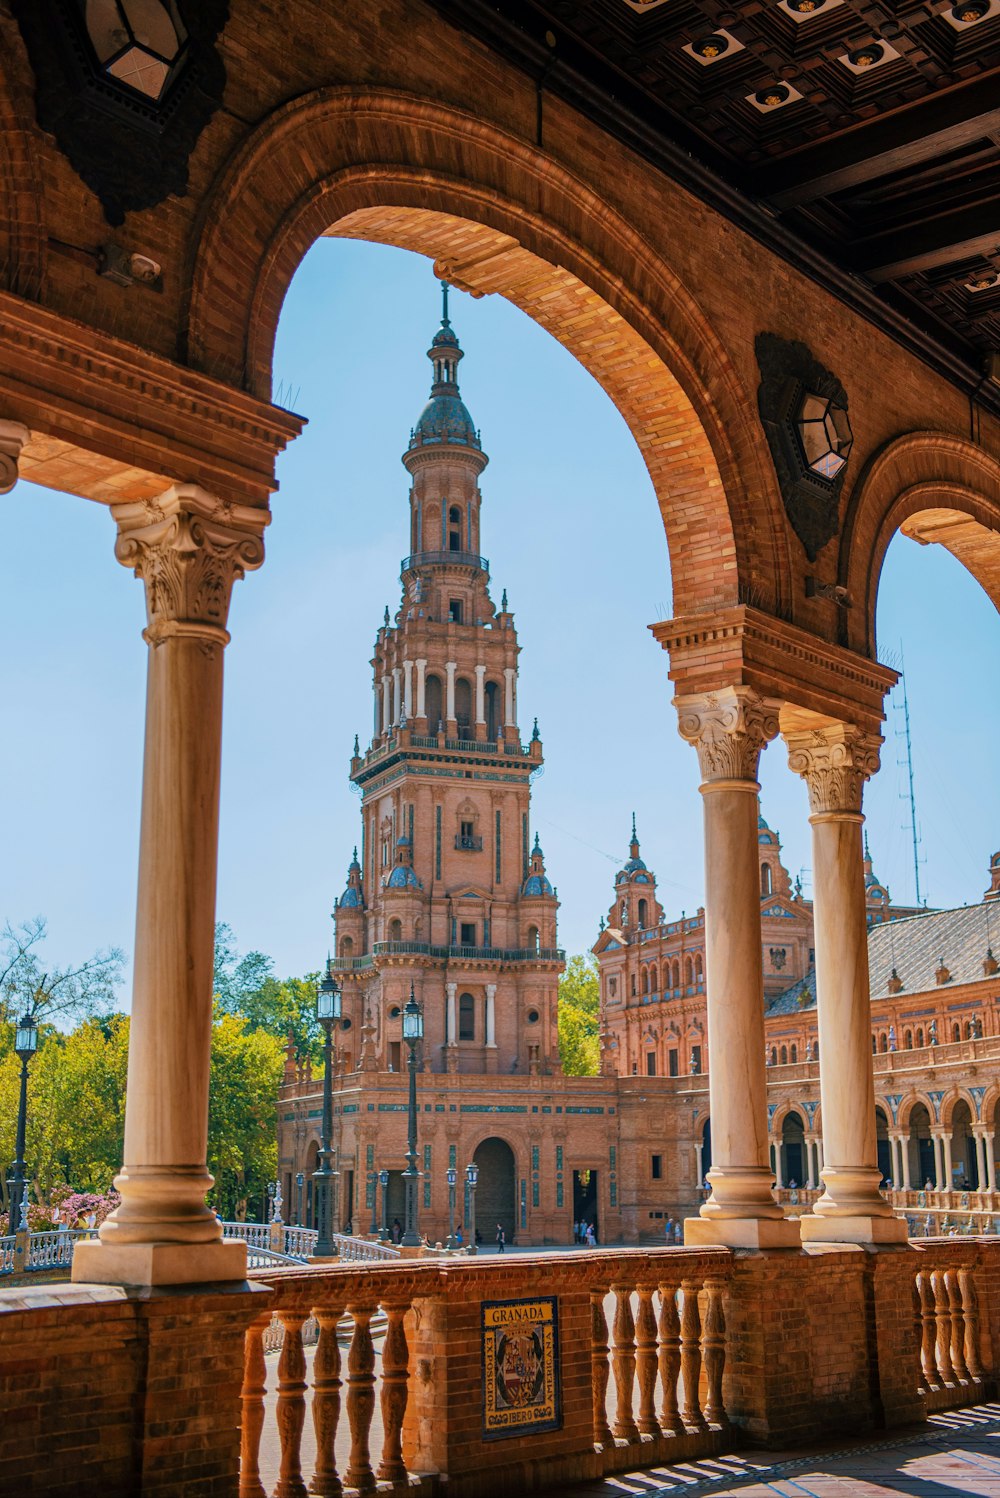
point(910, 795)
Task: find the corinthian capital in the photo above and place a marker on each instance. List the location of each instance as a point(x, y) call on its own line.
point(834, 762)
point(13, 436)
point(729, 729)
point(189, 548)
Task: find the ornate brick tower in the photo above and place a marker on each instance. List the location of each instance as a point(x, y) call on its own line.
point(448, 892)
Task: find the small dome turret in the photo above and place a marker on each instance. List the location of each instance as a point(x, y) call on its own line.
point(634, 870)
point(353, 896)
point(445, 418)
point(403, 875)
point(537, 881)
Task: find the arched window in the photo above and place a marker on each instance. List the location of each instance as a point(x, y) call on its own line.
point(466, 1017)
point(920, 1038)
point(645, 980)
point(882, 1042)
point(784, 1055)
point(699, 967)
point(653, 985)
point(676, 975)
point(956, 1032)
point(463, 706)
point(633, 985)
point(454, 529)
point(494, 708)
point(816, 1049)
point(874, 1045)
point(774, 1055)
point(908, 1040)
point(968, 1030)
point(688, 973)
point(346, 946)
point(765, 879)
point(642, 915)
point(433, 703)
point(795, 1054)
point(534, 944)
point(395, 930)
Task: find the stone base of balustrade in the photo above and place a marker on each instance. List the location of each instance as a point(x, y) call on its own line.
point(742, 1232)
point(879, 1229)
point(107, 1392)
point(138, 1264)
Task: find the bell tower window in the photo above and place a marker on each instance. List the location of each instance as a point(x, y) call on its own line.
point(454, 529)
point(765, 879)
point(454, 611)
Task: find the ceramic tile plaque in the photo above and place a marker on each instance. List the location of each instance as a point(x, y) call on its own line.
point(520, 1367)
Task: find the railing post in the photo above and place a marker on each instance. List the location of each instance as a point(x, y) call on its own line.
point(326, 1403)
point(600, 1369)
point(714, 1351)
point(395, 1358)
point(360, 1400)
point(691, 1355)
point(942, 1318)
point(970, 1305)
point(623, 1359)
point(252, 1401)
point(291, 1410)
point(645, 1363)
point(957, 1326)
point(669, 1359)
point(928, 1329)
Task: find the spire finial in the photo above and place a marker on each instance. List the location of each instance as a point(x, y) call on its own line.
point(503, 601)
point(357, 747)
point(386, 619)
point(534, 732)
point(868, 853)
point(538, 847)
point(634, 838)
point(355, 852)
point(444, 305)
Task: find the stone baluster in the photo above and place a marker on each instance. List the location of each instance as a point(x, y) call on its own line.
point(714, 1351)
point(395, 1360)
point(600, 1370)
point(326, 1403)
point(188, 548)
point(691, 1356)
point(942, 1318)
point(835, 761)
point(729, 729)
point(923, 1327)
point(360, 1400)
point(291, 1411)
point(645, 1363)
point(252, 1402)
point(970, 1305)
point(957, 1325)
point(623, 1362)
point(669, 1360)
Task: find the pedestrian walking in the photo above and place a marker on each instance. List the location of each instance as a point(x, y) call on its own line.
point(501, 1238)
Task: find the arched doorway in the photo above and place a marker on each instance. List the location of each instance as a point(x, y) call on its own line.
point(964, 1164)
point(923, 1167)
point(883, 1146)
point(496, 1195)
point(793, 1146)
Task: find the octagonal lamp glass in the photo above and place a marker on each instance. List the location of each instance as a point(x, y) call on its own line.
point(26, 1036)
point(138, 43)
point(328, 1001)
point(413, 1021)
point(825, 434)
point(472, 1174)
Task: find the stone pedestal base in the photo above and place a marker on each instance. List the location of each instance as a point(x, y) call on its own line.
point(860, 1229)
point(741, 1232)
point(98, 1263)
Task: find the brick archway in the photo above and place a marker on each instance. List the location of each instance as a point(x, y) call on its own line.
point(935, 489)
point(496, 215)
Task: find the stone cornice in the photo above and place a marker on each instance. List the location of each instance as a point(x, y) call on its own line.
point(741, 646)
point(139, 420)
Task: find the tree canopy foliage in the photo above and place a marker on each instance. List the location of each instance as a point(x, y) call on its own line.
point(579, 1013)
point(248, 986)
point(65, 992)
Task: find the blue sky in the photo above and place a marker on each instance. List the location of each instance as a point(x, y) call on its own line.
point(573, 533)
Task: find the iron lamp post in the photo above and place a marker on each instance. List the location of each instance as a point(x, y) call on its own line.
point(300, 1181)
point(413, 1033)
point(328, 1006)
point(383, 1180)
point(471, 1178)
point(452, 1178)
point(25, 1044)
point(373, 1193)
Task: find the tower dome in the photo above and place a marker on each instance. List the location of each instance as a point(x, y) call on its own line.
point(445, 418)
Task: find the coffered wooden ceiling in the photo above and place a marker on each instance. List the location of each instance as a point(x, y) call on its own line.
point(861, 140)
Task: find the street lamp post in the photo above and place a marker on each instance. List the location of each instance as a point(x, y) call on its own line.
point(300, 1181)
point(383, 1179)
point(452, 1178)
point(471, 1177)
point(25, 1044)
point(413, 1033)
point(328, 1004)
point(373, 1193)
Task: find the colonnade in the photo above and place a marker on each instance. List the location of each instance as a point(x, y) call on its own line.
point(400, 695)
point(729, 728)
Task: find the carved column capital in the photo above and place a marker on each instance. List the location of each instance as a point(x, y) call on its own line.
point(834, 762)
point(728, 728)
point(13, 436)
point(189, 548)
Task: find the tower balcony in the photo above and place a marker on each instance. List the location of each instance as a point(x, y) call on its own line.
point(491, 955)
point(445, 559)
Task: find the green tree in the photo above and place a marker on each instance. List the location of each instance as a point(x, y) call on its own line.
point(63, 992)
point(579, 1011)
point(77, 1100)
point(247, 986)
point(247, 1065)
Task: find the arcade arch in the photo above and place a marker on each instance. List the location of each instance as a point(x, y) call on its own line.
point(496, 1201)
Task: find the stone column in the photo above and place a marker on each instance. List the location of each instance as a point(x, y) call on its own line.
point(491, 994)
point(729, 728)
point(508, 697)
point(904, 1156)
point(421, 689)
point(698, 1163)
point(451, 989)
point(835, 762)
point(13, 437)
point(991, 1164)
point(981, 1161)
point(396, 703)
point(386, 705)
point(408, 690)
point(188, 548)
point(481, 694)
point(946, 1161)
point(376, 695)
point(450, 693)
point(779, 1164)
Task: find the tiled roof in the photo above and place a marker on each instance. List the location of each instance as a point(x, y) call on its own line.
point(915, 947)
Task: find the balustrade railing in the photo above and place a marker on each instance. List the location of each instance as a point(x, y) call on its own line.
point(32, 1252)
point(363, 1250)
point(656, 1378)
point(7, 1255)
point(957, 1364)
